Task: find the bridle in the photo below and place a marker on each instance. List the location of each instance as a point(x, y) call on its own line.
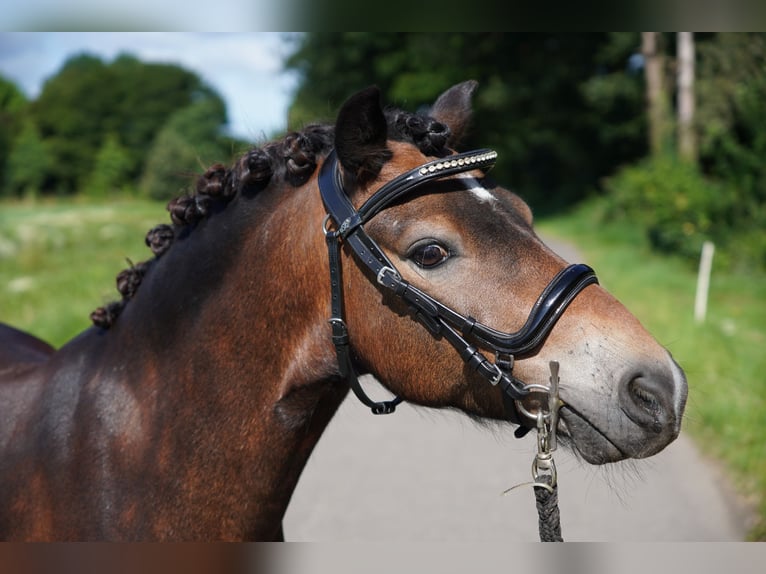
point(464, 333)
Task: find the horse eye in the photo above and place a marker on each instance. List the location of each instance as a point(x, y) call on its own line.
point(429, 255)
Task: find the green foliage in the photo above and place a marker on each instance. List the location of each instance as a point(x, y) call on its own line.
point(732, 127)
point(187, 144)
point(567, 111)
point(679, 209)
point(12, 107)
point(12, 101)
point(561, 109)
point(70, 113)
point(111, 170)
point(28, 163)
point(89, 99)
point(732, 109)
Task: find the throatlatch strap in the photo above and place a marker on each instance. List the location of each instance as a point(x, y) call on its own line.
point(340, 333)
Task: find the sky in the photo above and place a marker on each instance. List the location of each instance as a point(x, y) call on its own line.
point(244, 68)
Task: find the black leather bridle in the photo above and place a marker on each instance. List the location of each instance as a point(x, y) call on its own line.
point(462, 332)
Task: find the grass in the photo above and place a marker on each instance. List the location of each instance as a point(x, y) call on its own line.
point(59, 259)
point(724, 357)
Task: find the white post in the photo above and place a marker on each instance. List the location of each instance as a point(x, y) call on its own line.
point(703, 282)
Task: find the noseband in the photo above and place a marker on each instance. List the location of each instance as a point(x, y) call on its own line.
point(464, 333)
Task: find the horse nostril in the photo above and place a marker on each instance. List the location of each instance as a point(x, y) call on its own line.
point(646, 401)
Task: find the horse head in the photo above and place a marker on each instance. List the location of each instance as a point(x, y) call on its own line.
point(463, 243)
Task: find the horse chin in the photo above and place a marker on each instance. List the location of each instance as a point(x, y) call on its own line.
point(587, 440)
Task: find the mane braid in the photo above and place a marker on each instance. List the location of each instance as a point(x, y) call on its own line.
point(294, 159)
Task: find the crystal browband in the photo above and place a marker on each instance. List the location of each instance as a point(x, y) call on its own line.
point(479, 160)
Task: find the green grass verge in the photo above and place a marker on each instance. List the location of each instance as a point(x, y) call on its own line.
point(724, 358)
point(58, 262)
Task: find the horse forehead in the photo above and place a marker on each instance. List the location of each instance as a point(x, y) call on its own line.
point(468, 199)
point(480, 201)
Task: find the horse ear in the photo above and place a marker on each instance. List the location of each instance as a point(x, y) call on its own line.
point(454, 109)
point(360, 135)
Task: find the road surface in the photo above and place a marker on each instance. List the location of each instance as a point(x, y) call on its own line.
point(425, 475)
point(422, 475)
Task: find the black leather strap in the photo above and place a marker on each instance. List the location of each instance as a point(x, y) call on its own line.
point(551, 304)
point(340, 336)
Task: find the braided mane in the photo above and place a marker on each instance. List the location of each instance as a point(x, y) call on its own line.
point(293, 159)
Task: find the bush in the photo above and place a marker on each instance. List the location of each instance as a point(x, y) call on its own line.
point(679, 209)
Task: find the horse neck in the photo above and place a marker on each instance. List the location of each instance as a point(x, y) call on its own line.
point(229, 333)
point(247, 286)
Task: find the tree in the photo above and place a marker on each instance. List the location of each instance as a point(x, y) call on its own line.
point(188, 143)
point(89, 99)
point(683, 200)
point(687, 140)
point(539, 104)
point(731, 120)
point(111, 170)
point(12, 107)
point(69, 113)
point(657, 99)
point(12, 100)
point(29, 163)
point(731, 116)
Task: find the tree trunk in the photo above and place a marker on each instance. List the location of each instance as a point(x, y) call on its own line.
point(687, 142)
point(656, 98)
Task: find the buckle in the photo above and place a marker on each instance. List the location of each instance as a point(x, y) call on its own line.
point(395, 277)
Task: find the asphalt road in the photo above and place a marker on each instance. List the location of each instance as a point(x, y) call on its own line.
point(425, 475)
point(422, 475)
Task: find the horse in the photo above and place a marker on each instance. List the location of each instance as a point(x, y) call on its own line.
point(189, 408)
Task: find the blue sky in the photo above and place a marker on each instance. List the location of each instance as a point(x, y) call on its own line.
point(244, 68)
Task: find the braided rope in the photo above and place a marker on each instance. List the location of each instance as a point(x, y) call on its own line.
point(548, 511)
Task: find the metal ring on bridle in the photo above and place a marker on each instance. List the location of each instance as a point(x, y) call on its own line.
point(522, 409)
point(534, 387)
point(554, 401)
point(325, 221)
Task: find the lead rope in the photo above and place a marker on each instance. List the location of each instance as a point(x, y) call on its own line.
point(544, 476)
point(546, 485)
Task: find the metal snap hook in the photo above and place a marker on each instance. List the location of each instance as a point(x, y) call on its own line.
point(546, 424)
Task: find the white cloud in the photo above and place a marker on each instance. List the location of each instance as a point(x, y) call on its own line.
point(246, 69)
